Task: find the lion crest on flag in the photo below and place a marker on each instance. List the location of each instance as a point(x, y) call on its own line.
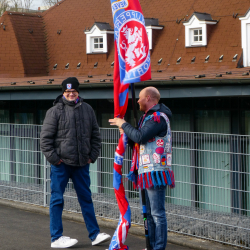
point(132, 45)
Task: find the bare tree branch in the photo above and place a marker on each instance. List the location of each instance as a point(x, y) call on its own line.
point(27, 4)
point(4, 5)
point(16, 5)
point(50, 2)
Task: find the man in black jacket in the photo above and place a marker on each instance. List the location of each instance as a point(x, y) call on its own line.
point(154, 138)
point(70, 141)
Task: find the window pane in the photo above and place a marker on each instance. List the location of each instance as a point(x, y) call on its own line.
point(200, 38)
point(23, 118)
point(213, 167)
point(96, 46)
point(213, 173)
point(101, 46)
point(95, 40)
point(4, 116)
point(180, 122)
point(181, 159)
point(214, 121)
point(101, 40)
point(200, 32)
point(196, 38)
point(195, 32)
point(246, 121)
point(41, 115)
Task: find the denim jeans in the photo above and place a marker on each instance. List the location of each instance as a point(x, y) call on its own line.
point(157, 221)
point(59, 178)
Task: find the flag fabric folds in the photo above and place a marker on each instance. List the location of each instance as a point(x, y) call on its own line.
point(132, 55)
point(121, 232)
point(132, 64)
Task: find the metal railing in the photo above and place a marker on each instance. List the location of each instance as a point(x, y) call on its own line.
point(211, 199)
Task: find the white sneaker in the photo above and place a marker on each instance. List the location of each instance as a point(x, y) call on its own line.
point(100, 238)
point(63, 242)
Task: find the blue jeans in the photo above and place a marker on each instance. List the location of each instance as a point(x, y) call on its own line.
point(59, 179)
point(157, 221)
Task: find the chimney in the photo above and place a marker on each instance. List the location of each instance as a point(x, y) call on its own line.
point(38, 8)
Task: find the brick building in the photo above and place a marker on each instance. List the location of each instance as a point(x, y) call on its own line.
point(199, 59)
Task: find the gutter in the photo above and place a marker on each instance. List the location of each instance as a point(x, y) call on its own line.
point(160, 83)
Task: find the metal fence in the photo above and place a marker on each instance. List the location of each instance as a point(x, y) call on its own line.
point(211, 199)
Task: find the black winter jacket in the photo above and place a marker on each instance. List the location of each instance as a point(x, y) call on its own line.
point(151, 128)
point(70, 133)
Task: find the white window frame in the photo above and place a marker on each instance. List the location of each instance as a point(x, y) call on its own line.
point(93, 43)
point(198, 42)
point(195, 24)
point(149, 30)
point(245, 22)
point(95, 32)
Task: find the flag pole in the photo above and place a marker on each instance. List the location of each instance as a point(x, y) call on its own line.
point(144, 208)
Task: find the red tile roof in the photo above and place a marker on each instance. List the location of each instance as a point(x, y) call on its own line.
point(71, 17)
point(23, 50)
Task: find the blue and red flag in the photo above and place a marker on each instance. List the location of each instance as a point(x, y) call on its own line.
point(132, 55)
point(132, 64)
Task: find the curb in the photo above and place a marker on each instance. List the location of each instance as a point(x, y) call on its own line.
point(174, 238)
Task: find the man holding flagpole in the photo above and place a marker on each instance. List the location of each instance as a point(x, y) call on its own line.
point(151, 166)
point(132, 64)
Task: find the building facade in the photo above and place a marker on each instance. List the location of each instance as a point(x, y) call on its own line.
point(200, 63)
point(199, 60)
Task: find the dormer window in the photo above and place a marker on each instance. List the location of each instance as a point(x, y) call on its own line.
point(151, 25)
point(245, 38)
point(196, 29)
point(96, 38)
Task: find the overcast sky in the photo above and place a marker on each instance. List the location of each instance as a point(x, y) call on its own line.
point(36, 4)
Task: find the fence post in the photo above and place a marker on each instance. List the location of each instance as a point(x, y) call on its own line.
point(44, 183)
point(193, 170)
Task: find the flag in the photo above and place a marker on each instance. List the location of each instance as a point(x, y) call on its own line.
point(132, 64)
point(132, 55)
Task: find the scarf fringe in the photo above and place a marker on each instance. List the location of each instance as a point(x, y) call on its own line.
point(153, 179)
point(159, 182)
point(132, 177)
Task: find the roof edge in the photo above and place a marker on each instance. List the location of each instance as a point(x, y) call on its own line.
point(175, 83)
point(36, 14)
point(52, 7)
point(201, 13)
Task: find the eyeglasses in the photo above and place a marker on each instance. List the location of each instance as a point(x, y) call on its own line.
point(71, 92)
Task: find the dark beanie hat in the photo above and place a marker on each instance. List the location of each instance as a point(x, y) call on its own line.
point(70, 83)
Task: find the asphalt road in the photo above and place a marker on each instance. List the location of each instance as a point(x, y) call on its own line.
point(23, 230)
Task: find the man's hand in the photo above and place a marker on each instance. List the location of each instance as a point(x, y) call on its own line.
point(89, 161)
point(117, 121)
point(121, 131)
point(59, 162)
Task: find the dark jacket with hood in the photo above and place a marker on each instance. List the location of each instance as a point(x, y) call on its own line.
point(70, 132)
point(151, 128)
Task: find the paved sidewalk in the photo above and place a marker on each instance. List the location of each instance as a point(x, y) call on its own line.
point(23, 230)
point(24, 227)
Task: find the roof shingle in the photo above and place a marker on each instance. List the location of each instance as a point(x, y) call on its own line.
point(42, 49)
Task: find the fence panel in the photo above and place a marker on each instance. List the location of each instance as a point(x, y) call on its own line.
point(211, 199)
point(21, 164)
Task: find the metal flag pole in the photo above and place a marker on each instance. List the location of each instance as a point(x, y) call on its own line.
point(144, 208)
